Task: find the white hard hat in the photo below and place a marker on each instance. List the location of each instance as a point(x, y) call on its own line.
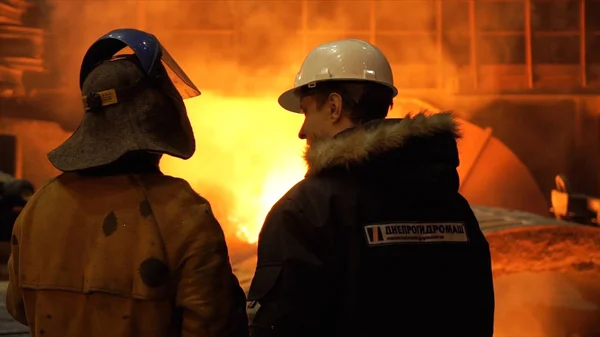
point(351, 60)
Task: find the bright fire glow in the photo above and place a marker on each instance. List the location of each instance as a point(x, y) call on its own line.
point(247, 156)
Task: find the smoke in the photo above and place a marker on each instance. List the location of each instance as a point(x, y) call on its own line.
point(253, 48)
point(247, 151)
point(242, 55)
point(236, 48)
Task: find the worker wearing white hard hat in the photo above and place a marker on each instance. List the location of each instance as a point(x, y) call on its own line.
point(346, 60)
point(376, 240)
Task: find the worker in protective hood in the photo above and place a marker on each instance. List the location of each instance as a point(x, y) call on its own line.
point(112, 247)
point(376, 240)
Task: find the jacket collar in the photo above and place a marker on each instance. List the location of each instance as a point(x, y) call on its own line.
point(356, 145)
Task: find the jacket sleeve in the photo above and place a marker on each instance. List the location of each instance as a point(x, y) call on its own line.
point(209, 293)
point(291, 290)
point(14, 294)
point(482, 307)
point(485, 304)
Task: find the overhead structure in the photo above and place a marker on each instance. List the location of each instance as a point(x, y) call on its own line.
point(21, 48)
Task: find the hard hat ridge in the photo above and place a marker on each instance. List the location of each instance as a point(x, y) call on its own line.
point(343, 60)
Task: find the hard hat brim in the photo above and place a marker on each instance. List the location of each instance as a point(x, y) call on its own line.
point(290, 101)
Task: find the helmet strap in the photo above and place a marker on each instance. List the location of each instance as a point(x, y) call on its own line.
point(96, 100)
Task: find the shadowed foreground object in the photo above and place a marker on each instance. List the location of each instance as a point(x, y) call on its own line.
point(546, 274)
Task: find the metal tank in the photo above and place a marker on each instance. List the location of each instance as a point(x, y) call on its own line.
point(546, 274)
point(490, 173)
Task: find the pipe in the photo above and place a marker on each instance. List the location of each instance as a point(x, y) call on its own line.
point(528, 45)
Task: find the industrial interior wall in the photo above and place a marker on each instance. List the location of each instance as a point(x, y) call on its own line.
point(223, 44)
point(35, 139)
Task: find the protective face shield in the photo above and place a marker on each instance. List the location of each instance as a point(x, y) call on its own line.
point(343, 60)
point(152, 57)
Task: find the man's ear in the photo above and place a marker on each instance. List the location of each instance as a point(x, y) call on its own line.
point(335, 107)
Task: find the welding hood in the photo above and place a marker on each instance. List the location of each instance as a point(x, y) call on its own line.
point(150, 53)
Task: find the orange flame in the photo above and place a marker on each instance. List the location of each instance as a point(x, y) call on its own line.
point(248, 155)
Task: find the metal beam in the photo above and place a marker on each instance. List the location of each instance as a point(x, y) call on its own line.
point(216, 32)
point(368, 32)
point(237, 46)
point(473, 44)
point(304, 25)
point(439, 43)
point(372, 22)
point(528, 45)
point(582, 43)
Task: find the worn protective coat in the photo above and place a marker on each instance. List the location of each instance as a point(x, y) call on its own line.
point(376, 241)
point(121, 256)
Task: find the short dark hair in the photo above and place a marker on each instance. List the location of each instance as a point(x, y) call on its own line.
point(362, 101)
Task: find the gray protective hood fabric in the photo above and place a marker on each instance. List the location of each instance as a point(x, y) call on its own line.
point(153, 119)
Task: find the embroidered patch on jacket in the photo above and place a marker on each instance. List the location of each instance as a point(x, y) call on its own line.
point(411, 232)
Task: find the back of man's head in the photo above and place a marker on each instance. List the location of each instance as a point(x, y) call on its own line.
point(154, 107)
point(148, 116)
point(123, 72)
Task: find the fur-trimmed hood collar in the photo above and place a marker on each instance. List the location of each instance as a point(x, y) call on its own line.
point(359, 144)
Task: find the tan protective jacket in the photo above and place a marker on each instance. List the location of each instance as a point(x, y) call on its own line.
point(129, 255)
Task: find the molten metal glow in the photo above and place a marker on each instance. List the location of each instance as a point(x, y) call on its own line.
point(247, 156)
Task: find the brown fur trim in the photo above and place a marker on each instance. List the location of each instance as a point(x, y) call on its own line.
point(357, 145)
